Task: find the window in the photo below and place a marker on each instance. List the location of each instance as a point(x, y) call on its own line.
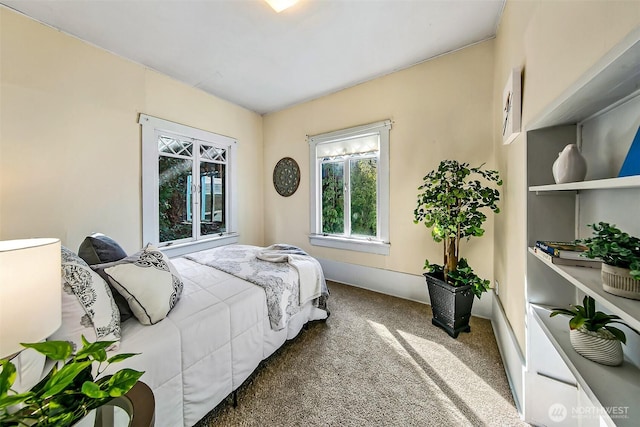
point(350, 188)
point(187, 183)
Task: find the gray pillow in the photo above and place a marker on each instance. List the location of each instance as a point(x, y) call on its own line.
point(98, 249)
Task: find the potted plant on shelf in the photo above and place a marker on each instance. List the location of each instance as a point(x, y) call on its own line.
point(451, 204)
point(620, 254)
point(592, 334)
point(67, 393)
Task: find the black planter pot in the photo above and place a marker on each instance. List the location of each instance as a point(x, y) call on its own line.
point(451, 305)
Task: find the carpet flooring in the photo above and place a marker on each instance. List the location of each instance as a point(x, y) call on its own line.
point(377, 361)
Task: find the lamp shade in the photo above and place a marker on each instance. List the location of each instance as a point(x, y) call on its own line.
point(30, 292)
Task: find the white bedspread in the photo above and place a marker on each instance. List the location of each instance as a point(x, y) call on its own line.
point(282, 282)
point(208, 345)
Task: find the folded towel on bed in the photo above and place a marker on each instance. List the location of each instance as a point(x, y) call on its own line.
point(309, 269)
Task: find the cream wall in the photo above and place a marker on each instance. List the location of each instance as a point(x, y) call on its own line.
point(555, 42)
point(70, 142)
point(441, 109)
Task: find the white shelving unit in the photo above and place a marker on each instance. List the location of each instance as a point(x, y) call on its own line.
point(600, 113)
point(612, 387)
point(588, 281)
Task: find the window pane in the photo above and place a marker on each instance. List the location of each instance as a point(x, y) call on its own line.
point(210, 152)
point(349, 146)
point(363, 177)
point(174, 198)
point(333, 198)
point(166, 144)
point(212, 198)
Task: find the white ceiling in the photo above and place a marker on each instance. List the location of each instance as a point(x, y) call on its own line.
point(244, 52)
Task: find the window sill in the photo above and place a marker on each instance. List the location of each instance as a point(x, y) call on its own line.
point(351, 244)
point(179, 249)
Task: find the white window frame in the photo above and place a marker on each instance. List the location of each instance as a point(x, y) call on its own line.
point(151, 128)
point(376, 245)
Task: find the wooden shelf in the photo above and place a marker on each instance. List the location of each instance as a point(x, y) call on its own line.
point(598, 184)
point(611, 387)
point(588, 280)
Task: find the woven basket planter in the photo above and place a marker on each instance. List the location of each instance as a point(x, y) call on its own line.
point(618, 281)
point(451, 305)
point(600, 347)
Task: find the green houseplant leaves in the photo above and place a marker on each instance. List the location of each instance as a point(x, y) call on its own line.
point(586, 317)
point(614, 247)
point(70, 390)
point(451, 203)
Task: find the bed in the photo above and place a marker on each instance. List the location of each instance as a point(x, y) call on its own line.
point(222, 327)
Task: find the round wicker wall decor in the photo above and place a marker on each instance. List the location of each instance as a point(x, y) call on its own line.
point(286, 176)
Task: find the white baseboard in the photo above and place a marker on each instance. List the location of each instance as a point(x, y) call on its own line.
point(402, 285)
point(512, 358)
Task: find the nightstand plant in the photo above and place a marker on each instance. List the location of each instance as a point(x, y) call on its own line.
point(67, 393)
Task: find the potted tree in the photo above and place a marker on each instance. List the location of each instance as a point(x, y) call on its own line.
point(451, 202)
point(592, 334)
point(620, 254)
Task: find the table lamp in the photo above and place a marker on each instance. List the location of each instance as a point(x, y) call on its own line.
point(30, 292)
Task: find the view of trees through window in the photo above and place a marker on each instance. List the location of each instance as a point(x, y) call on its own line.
point(362, 197)
point(333, 198)
point(176, 202)
point(175, 173)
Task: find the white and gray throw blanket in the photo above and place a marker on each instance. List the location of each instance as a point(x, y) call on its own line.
point(288, 275)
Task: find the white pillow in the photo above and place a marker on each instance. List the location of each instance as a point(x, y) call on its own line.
point(75, 320)
point(30, 367)
point(148, 281)
point(88, 307)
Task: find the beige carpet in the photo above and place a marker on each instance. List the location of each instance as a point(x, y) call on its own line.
point(377, 361)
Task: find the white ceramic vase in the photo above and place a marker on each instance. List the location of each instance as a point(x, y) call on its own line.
point(599, 347)
point(570, 166)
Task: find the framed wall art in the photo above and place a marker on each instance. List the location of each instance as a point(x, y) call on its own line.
point(511, 107)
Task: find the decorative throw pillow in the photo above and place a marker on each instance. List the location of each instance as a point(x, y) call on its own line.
point(88, 308)
point(75, 320)
point(149, 282)
point(98, 249)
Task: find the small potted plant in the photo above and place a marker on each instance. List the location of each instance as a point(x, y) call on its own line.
point(451, 203)
point(68, 392)
point(620, 254)
point(592, 334)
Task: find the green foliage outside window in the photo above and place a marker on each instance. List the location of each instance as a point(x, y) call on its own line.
point(333, 198)
point(363, 200)
point(364, 174)
point(172, 187)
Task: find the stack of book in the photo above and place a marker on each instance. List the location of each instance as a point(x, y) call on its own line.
point(565, 253)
